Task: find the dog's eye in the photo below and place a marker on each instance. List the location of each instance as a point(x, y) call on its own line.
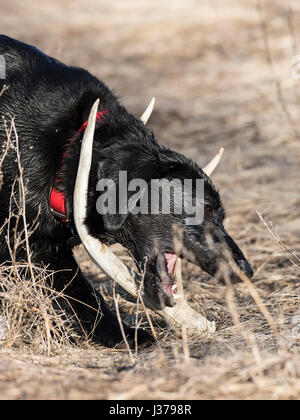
point(208, 209)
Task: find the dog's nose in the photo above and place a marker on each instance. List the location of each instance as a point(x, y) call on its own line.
point(246, 268)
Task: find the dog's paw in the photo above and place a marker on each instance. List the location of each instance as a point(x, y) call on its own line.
point(115, 339)
point(143, 339)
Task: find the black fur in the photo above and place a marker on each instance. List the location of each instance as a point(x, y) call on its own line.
point(50, 101)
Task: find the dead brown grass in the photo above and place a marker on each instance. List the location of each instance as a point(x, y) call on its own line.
point(221, 76)
point(32, 311)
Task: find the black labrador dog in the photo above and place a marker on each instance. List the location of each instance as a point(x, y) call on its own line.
point(50, 103)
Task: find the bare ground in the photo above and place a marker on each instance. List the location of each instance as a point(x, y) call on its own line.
point(222, 75)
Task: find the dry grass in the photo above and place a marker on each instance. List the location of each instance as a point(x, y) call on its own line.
point(30, 307)
point(222, 75)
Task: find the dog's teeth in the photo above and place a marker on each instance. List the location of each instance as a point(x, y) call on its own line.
point(174, 287)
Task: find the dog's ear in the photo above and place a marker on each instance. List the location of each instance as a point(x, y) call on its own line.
point(116, 169)
point(114, 222)
point(113, 214)
point(109, 202)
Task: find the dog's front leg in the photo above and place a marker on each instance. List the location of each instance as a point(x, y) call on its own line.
point(82, 300)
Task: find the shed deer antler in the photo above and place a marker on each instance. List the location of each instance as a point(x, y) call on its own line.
point(106, 260)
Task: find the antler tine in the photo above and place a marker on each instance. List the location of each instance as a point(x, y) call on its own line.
point(209, 169)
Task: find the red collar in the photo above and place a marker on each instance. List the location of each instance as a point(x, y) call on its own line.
point(58, 201)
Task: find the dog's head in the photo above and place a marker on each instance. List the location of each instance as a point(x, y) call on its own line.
point(160, 206)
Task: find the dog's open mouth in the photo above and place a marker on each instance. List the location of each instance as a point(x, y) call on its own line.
point(159, 286)
point(170, 261)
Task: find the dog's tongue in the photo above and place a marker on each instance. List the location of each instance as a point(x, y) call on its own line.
point(171, 261)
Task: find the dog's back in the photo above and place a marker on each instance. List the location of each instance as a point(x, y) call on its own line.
point(22, 57)
point(49, 102)
point(40, 85)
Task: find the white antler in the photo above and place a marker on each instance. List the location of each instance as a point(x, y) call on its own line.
point(105, 259)
point(3, 327)
point(147, 114)
point(209, 169)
